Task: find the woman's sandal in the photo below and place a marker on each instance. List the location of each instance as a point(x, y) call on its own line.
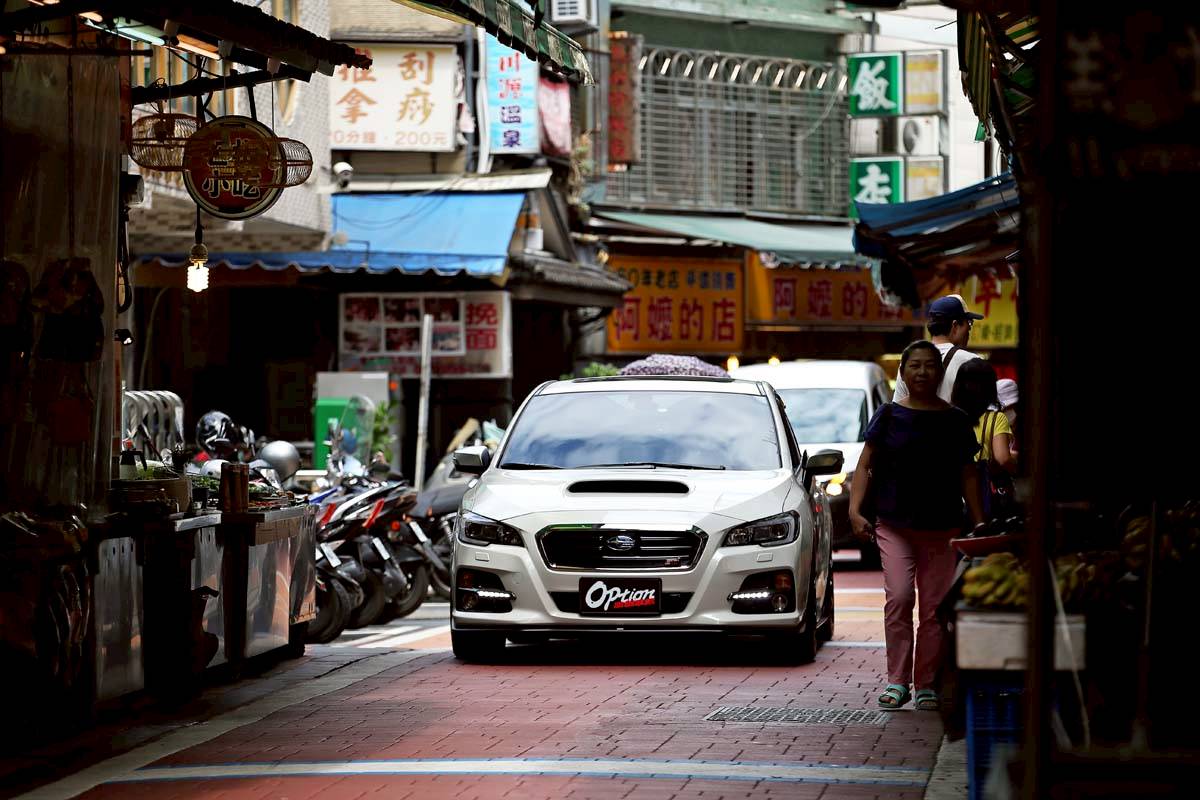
point(894, 696)
point(927, 700)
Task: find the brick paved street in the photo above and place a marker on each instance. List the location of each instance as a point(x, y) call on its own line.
point(612, 718)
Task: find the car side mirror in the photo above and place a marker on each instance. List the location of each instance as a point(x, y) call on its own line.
point(472, 460)
point(825, 462)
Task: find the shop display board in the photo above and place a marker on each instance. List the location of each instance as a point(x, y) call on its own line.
point(472, 333)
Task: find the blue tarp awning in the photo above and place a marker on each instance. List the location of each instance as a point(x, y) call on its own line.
point(448, 233)
point(988, 198)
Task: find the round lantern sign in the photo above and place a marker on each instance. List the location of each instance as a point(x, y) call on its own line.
point(232, 167)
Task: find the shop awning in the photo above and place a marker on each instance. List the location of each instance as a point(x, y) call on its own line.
point(944, 239)
point(548, 279)
point(787, 243)
point(511, 23)
point(444, 233)
point(253, 37)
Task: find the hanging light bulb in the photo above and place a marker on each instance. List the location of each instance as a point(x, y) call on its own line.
point(732, 363)
point(197, 274)
point(773, 361)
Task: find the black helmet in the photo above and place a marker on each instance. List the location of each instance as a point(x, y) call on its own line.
point(216, 434)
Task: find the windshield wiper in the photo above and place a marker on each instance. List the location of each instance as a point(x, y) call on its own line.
point(523, 465)
point(653, 464)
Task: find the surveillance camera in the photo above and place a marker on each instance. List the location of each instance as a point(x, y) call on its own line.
point(343, 172)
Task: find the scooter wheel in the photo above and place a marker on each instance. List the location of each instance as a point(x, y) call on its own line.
point(373, 605)
point(333, 612)
point(414, 595)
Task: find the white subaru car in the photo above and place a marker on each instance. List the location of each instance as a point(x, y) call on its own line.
point(644, 504)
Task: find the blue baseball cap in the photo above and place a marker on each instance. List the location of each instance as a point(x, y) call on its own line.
point(951, 308)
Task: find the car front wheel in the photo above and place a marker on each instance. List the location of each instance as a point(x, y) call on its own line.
point(477, 647)
point(800, 646)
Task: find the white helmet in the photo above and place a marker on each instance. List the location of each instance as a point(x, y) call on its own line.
point(212, 467)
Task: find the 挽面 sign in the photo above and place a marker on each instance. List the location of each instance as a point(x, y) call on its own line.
point(405, 101)
point(472, 335)
point(924, 82)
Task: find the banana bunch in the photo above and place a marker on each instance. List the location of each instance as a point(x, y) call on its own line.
point(1135, 542)
point(999, 582)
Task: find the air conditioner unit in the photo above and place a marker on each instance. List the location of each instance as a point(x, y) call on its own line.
point(918, 136)
point(574, 14)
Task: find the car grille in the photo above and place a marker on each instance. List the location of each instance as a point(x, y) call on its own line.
point(615, 549)
point(672, 602)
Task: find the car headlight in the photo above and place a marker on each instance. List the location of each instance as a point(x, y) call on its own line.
point(477, 530)
point(769, 532)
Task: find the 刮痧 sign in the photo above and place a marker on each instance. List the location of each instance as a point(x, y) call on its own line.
point(405, 101)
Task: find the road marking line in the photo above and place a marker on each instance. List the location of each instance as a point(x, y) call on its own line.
point(118, 767)
point(608, 768)
point(386, 633)
point(855, 644)
point(408, 638)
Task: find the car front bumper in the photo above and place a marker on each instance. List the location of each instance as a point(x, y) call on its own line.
point(719, 572)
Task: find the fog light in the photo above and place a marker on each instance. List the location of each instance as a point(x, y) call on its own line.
point(742, 597)
point(490, 594)
point(765, 593)
point(481, 592)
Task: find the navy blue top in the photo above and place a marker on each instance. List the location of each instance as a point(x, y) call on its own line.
point(917, 466)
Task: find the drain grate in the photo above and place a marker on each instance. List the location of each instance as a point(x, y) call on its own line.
point(798, 716)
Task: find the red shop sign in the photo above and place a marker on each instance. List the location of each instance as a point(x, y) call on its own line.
point(227, 162)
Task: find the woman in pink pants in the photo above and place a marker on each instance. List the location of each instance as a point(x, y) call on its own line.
point(919, 461)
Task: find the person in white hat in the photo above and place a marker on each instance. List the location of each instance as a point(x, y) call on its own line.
point(950, 323)
point(1006, 391)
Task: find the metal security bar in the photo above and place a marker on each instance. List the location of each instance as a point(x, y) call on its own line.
point(726, 132)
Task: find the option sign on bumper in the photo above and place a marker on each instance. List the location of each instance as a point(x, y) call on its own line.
point(620, 597)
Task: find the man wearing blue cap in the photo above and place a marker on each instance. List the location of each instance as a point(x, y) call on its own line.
point(950, 326)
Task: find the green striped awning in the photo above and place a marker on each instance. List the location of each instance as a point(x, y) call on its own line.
point(977, 57)
point(511, 23)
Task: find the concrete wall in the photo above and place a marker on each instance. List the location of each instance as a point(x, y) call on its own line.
point(928, 27)
point(301, 206)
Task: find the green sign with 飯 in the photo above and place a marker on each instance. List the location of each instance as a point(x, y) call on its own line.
point(876, 180)
point(876, 84)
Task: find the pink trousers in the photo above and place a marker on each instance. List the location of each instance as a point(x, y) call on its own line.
point(917, 566)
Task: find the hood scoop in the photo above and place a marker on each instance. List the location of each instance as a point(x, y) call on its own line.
point(628, 487)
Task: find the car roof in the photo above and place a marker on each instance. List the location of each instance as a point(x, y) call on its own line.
point(815, 374)
point(653, 383)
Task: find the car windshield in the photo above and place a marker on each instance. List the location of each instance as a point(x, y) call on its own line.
point(712, 430)
point(826, 415)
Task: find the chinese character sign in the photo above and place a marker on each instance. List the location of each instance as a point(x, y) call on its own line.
point(406, 101)
point(875, 85)
point(996, 299)
point(678, 305)
point(876, 180)
point(512, 91)
point(812, 298)
point(471, 333)
point(624, 95)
